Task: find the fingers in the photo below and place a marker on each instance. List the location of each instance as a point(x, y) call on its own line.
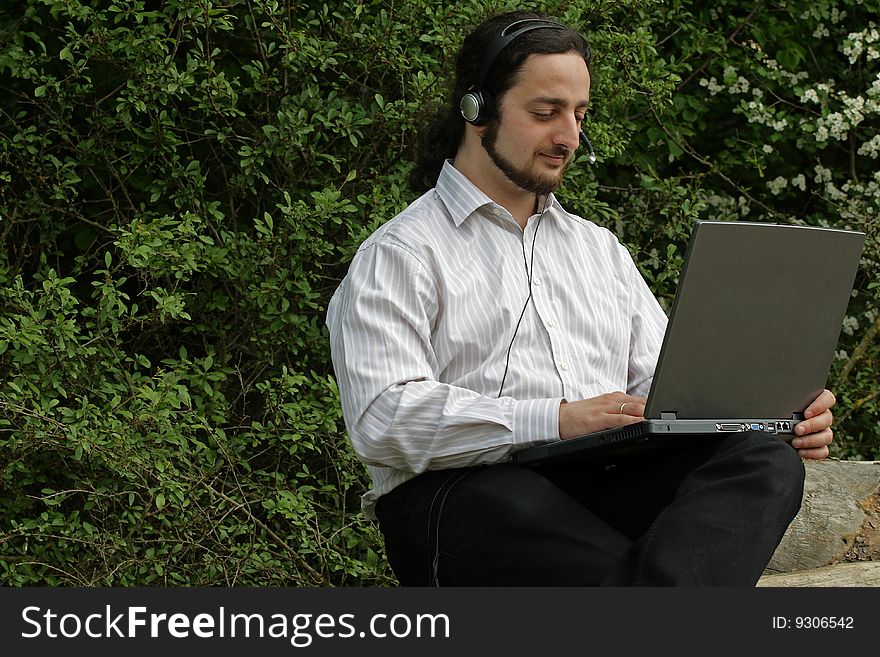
point(814, 424)
point(814, 434)
point(813, 445)
point(816, 454)
point(614, 420)
point(822, 403)
point(811, 440)
point(620, 403)
point(630, 409)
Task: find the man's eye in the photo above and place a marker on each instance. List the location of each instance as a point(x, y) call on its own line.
point(543, 116)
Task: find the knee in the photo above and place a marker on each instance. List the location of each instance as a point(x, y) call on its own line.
point(779, 468)
point(781, 457)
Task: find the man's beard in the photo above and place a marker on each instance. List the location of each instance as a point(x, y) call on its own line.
point(525, 179)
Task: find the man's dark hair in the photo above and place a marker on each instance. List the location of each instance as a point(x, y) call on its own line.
point(443, 135)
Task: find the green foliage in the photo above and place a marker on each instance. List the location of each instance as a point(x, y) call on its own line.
point(182, 185)
point(774, 116)
point(175, 211)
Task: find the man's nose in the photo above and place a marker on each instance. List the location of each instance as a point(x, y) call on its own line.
point(569, 134)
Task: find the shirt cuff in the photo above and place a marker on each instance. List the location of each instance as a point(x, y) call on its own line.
point(536, 422)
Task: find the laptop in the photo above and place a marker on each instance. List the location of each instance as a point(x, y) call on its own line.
point(750, 340)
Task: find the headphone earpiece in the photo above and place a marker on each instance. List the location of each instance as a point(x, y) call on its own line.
point(476, 106)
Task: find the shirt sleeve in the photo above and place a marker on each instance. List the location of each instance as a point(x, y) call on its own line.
point(648, 326)
point(398, 414)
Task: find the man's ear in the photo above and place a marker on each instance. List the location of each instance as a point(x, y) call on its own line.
point(474, 132)
point(480, 130)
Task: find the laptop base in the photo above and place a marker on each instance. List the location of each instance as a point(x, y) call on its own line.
point(647, 435)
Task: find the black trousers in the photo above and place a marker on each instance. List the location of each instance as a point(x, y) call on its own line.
point(710, 514)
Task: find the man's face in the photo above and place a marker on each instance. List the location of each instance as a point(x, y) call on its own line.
point(537, 130)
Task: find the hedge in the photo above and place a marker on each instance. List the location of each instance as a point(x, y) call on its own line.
point(183, 183)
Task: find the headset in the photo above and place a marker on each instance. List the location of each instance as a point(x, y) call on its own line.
point(477, 105)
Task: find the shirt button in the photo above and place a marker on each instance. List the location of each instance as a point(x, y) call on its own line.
point(564, 367)
point(537, 281)
point(552, 323)
point(496, 212)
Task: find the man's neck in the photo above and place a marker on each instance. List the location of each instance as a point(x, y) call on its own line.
point(518, 202)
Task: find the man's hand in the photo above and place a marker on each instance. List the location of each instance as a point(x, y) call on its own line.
point(814, 434)
point(608, 411)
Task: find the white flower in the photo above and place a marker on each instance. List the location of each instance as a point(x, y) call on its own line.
point(837, 124)
point(777, 185)
point(810, 95)
point(856, 103)
point(741, 86)
point(850, 325)
point(799, 181)
point(833, 192)
point(857, 42)
point(711, 84)
point(871, 148)
point(767, 148)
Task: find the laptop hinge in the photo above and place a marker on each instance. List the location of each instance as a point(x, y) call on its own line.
point(668, 415)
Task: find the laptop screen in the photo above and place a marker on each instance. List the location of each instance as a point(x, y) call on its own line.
point(755, 321)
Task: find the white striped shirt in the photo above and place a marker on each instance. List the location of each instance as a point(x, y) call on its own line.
point(421, 325)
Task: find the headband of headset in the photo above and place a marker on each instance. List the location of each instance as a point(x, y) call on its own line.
point(477, 105)
point(507, 36)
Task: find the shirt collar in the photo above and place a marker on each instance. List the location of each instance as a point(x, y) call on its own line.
point(463, 198)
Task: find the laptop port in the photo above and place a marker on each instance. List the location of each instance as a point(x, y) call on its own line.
point(729, 426)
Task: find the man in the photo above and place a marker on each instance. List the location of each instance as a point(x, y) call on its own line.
point(485, 319)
